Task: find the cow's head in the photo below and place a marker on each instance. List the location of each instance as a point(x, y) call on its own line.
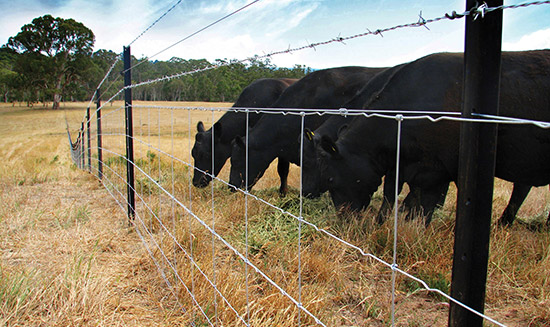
point(313, 183)
point(256, 164)
point(350, 178)
point(202, 154)
point(312, 186)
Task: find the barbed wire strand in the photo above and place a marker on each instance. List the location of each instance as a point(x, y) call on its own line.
point(421, 22)
point(480, 11)
point(156, 21)
point(197, 32)
point(476, 12)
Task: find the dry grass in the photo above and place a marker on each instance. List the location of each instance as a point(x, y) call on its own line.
point(69, 257)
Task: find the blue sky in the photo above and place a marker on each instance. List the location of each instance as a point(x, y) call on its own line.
point(273, 25)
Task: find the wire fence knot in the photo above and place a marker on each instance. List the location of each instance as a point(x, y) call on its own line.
point(454, 15)
point(480, 10)
point(343, 111)
point(422, 21)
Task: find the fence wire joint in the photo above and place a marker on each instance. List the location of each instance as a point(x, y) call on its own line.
point(480, 11)
point(422, 21)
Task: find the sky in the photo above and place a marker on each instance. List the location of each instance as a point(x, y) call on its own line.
point(274, 25)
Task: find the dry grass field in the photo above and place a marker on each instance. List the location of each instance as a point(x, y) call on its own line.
point(70, 257)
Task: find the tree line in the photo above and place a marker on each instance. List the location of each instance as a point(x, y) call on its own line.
point(52, 60)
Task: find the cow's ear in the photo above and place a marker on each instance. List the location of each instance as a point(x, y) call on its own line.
point(198, 137)
point(217, 132)
point(200, 127)
point(342, 129)
point(309, 134)
point(239, 142)
point(330, 147)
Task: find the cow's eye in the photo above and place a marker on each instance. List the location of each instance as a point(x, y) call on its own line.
point(331, 180)
point(358, 181)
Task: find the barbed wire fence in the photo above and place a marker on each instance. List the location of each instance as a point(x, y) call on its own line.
point(206, 264)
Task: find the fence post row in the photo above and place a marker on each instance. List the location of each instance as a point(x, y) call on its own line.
point(89, 146)
point(129, 133)
point(99, 145)
point(477, 151)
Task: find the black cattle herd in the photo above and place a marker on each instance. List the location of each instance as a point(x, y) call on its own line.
point(349, 156)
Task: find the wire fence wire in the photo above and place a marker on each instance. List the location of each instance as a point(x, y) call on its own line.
point(169, 189)
point(179, 252)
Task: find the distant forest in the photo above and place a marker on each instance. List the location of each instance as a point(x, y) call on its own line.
point(220, 84)
point(51, 61)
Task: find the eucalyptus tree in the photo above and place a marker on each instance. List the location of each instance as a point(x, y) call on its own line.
point(54, 55)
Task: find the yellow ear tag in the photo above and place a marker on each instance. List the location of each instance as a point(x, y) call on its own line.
point(334, 149)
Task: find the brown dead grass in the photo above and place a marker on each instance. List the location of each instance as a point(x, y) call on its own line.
point(69, 257)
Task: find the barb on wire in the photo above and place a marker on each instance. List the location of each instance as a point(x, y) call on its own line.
point(156, 21)
point(420, 23)
point(197, 32)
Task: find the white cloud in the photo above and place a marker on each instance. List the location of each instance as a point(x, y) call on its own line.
point(536, 40)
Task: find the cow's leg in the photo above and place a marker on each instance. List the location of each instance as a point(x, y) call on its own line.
point(434, 198)
point(283, 167)
point(412, 202)
point(388, 197)
point(428, 191)
point(519, 193)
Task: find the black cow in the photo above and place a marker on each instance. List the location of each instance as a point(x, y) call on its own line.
point(365, 151)
point(277, 135)
point(261, 93)
point(312, 183)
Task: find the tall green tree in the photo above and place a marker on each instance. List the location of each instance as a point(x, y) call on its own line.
point(8, 77)
point(54, 56)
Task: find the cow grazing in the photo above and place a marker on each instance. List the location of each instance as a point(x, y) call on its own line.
point(365, 151)
point(261, 93)
point(277, 135)
point(312, 183)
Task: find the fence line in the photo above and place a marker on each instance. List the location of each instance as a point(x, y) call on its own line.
point(392, 266)
point(477, 11)
point(155, 22)
point(198, 31)
point(78, 154)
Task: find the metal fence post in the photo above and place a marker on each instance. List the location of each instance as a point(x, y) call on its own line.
point(129, 133)
point(99, 142)
point(89, 146)
point(483, 38)
point(81, 146)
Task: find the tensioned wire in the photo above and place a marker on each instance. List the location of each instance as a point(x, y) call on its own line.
point(189, 178)
point(197, 32)
point(213, 221)
point(540, 124)
point(142, 239)
point(399, 119)
point(156, 21)
point(391, 266)
point(477, 11)
point(193, 262)
point(220, 238)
